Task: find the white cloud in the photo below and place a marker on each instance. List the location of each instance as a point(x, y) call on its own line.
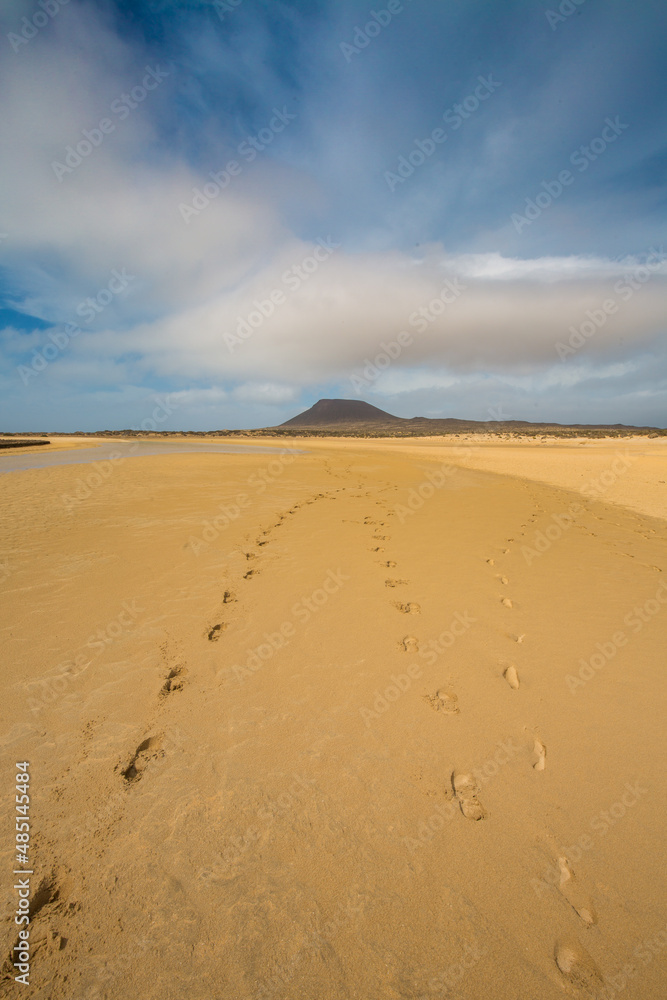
point(346, 310)
point(120, 207)
point(265, 393)
point(493, 266)
point(195, 283)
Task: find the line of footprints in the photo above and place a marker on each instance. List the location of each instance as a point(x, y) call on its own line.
point(572, 959)
point(152, 746)
point(464, 786)
point(511, 674)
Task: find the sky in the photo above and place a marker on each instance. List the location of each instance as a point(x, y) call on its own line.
point(213, 214)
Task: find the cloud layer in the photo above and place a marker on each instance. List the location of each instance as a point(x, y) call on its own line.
point(208, 202)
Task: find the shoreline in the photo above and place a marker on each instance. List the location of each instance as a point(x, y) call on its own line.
point(628, 472)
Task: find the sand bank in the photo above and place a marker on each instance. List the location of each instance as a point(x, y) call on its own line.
point(340, 724)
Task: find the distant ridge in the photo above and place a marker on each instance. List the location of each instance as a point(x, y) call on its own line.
point(356, 418)
point(328, 412)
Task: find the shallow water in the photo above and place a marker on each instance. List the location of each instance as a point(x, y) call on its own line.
point(14, 461)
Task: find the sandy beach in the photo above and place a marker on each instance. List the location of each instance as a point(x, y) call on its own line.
point(373, 719)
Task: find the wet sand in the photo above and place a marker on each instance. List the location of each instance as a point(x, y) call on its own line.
point(380, 719)
point(106, 454)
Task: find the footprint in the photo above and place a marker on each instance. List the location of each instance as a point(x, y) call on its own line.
point(378, 548)
point(48, 891)
point(228, 597)
point(249, 575)
point(408, 609)
point(443, 701)
point(215, 632)
point(512, 677)
point(577, 966)
point(466, 789)
point(381, 538)
point(520, 638)
point(174, 681)
point(541, 751)
point(575, 896)
point(150, 749)
point(410, 644)
point(51, 897)
point(503, 580)
point(506, 602)
point(395, 583)
point(390, 564)
point(491, 562)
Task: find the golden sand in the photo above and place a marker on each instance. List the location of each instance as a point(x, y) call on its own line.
point(380, 720)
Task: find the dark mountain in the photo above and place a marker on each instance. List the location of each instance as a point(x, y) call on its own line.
point(328, 412)
point(355, 418)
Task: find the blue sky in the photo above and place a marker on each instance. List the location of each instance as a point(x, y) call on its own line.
point(447, 209)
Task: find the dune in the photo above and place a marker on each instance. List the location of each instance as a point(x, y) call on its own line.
point(375, 719)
